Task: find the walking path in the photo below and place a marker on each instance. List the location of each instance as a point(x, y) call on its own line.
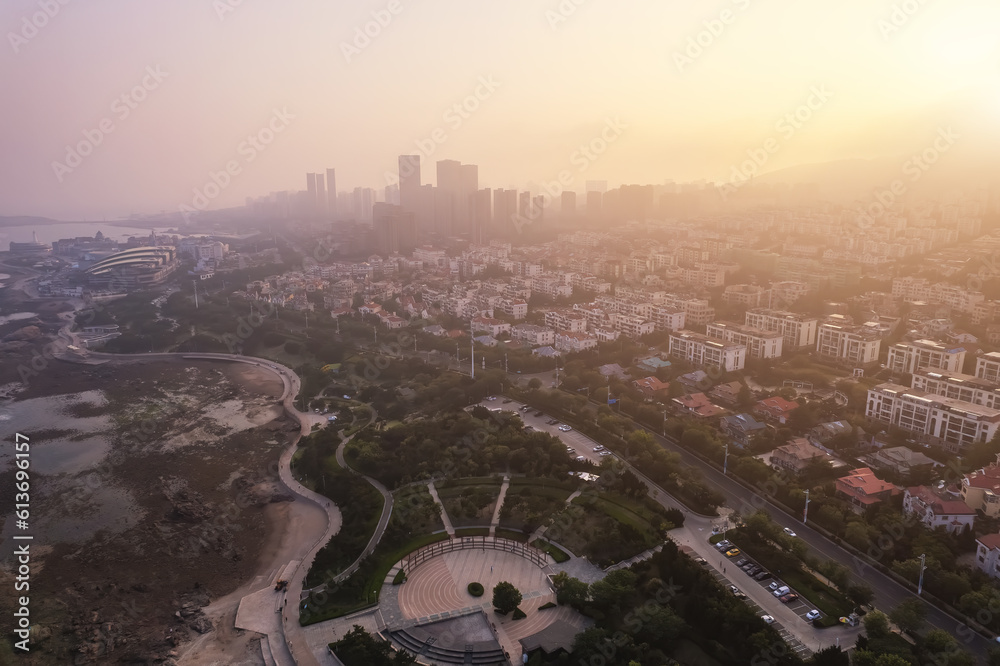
point(496, 512)
point(444, 514)
point(537, 534)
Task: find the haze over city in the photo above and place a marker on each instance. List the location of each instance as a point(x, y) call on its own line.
point(696, 86)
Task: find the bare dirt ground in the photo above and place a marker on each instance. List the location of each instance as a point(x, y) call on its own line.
point(183, 507)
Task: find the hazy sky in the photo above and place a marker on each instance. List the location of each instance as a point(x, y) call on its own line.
point(559, 73)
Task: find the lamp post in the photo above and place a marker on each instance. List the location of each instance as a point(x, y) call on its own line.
point(920, 583)
point(805, 511)
point(725, 462)
point(664, 423)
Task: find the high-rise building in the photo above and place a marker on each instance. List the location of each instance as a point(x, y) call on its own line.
point(395, 229)
point(568, 204)
point(310, 193)
point(331, 194)
point(364, 201)
point(504, 209)
point(319, 206)
point(597, 186)
point(482, 215)
point(409, 182)
point(594, 204)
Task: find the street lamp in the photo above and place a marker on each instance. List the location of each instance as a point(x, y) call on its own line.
point(725, 461)
point(805, 511)
point(920, 583)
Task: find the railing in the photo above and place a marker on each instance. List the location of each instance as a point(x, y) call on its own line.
point(427, 553)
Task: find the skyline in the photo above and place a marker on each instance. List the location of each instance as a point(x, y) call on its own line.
point(517, 90)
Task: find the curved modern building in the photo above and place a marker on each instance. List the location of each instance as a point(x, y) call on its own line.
point(135, 268)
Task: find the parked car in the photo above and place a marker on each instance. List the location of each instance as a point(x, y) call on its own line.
point(491, 397)
point(781, 591)
point(813, 615)
point(787, 598)
point(604, 453)
point(736, 592)
point(767, 618)
point(570, 449)
point(564, 428)
point(724, 544)
point(599, 447)
point(552, 422)
point(525, 408)
point(732, 552)
point(580, 458)
point(789, 532)
point(507, 401)
point(774, 585)
point(762, 575)
point(701, 560)
point(740, 562)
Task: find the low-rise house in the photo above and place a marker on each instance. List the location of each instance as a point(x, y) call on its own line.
point(545, 352)
point(741, 428)
point(824, 432)
point(981, 490)
point(695, 380)
point(486, 340)
point(937, 507)
point(988, 554)
point(901, 459)
point(575, 342)
point(614, 370)
point(796, 455)
point(698, 404)
point(776, 408)
point(651, 387)
point(726, 393)
point(863, 489)
point(652, 364)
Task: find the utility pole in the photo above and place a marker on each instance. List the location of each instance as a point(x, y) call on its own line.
point(195, 283)
point(472, 345)
point(664, 423)
point(725, 461)
point(920, 583)
point(505, 370)
point(805, 511)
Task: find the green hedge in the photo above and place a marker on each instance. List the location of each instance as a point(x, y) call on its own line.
point(476, 589)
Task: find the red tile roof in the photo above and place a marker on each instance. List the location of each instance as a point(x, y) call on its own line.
point(991, 541)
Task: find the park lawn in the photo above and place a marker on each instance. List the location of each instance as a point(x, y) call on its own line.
point(470, 504)
point(422, 513)
point(534, 482)
point(513, 535)
point(472, 532)
point(631, 516)
point(558, 554)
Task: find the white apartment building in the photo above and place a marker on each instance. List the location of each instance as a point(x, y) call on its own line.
point(571, 322)
point(516, 308)
point(488, 325)
point(910, 356)
point(704, 275)
point(788, 291)
point(745, 295)
point(955, 422)
point(697, 312)
point(797, 330)
point(759, 344)
point(858, 345)
point(596, 316)
point(912, 289)
point(667, 318)
point(705, 351)
point(988, 367)
point(569, 342)
point(550, 286)
point(533, 335)
point(631, 326)
point(958, 387)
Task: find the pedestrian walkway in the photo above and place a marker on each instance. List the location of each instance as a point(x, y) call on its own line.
point(540, 530)
point(448, 527)
point(496, 512)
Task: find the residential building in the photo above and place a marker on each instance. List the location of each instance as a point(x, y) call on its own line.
point(652, 364)
point(631, 326)
point(988, 367)
point(516, 308)
point(569, 321)
point(857, 345)
point(988, 554)
point(741, 428)
point(797, 330)
point(574, 342)
point(651, 387)
point(824, 432)
point(909, 356)
point(707, 351)
point(967, 388)
point(727, 393)
point(533, 335)
point(776, 408)
point(492, 326)
point(759, 343)
point(796, 456)
point(863, 489)
point(953, 422)
point(697, 312)
point(936, 507)
point(698, 404)
point(901, 459)
point(668, 318)
point(981, 490)
point(745, 295)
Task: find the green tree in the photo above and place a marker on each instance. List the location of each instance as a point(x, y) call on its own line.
point(535, 383)
point(570, 591)
point(831, 656)
point(909, 616)
point(506, 597)
point(860, 594)
point(359, 648)
point(876, 624)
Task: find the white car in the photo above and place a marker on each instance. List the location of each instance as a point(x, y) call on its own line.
point(564, 428)
point(789, 532)
point(813, 615)
point(580, 458)
point(767, 618)
point(570, 449)
point(604, 453)
point(599, 447)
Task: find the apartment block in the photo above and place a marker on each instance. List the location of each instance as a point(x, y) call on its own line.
point(797, 330)
point(957, 386)
point(955, 423)
point(697, 312)
point(858, 345)
point(745, 295)
point(706, 351)
point(631, 326)
point(571, 322)
point(909, 356)
point(988, 367)
point(759, 343)
point(569, 342)
point(667, 318)
point(533, 335)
